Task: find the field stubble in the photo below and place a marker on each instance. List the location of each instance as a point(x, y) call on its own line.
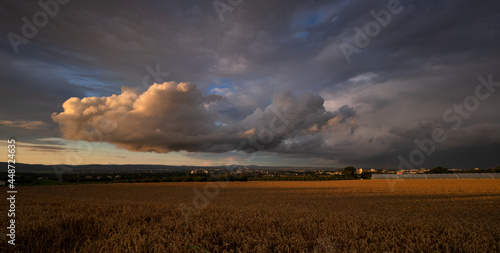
point(329, 216)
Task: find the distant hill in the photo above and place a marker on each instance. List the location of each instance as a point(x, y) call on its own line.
point(106, 168)
point(95, 168)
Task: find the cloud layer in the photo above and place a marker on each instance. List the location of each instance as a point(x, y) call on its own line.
point(423, 62)
point(179, 117)
point(25, 124)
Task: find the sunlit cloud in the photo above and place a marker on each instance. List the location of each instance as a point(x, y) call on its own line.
point(174, 117)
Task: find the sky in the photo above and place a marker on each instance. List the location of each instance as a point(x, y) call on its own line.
point(373, 84)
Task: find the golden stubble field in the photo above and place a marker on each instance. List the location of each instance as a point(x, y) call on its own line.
point(325, 216)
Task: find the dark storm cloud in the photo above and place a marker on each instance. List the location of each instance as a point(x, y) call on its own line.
point(425, 60)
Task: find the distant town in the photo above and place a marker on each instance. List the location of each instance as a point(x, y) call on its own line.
point(62, 174)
